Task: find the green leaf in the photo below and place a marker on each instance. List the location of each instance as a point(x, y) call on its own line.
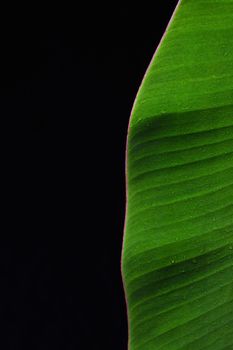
point(177, 259)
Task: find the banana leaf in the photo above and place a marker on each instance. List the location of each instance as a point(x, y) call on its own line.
point(177, 255)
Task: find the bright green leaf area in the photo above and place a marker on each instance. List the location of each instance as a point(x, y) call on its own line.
point(177, 259)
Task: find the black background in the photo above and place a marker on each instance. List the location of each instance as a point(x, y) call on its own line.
point(69, 77)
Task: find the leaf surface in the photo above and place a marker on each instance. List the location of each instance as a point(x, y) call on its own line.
point(177, 258)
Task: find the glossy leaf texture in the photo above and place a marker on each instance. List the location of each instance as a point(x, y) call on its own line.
point(177, 258)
